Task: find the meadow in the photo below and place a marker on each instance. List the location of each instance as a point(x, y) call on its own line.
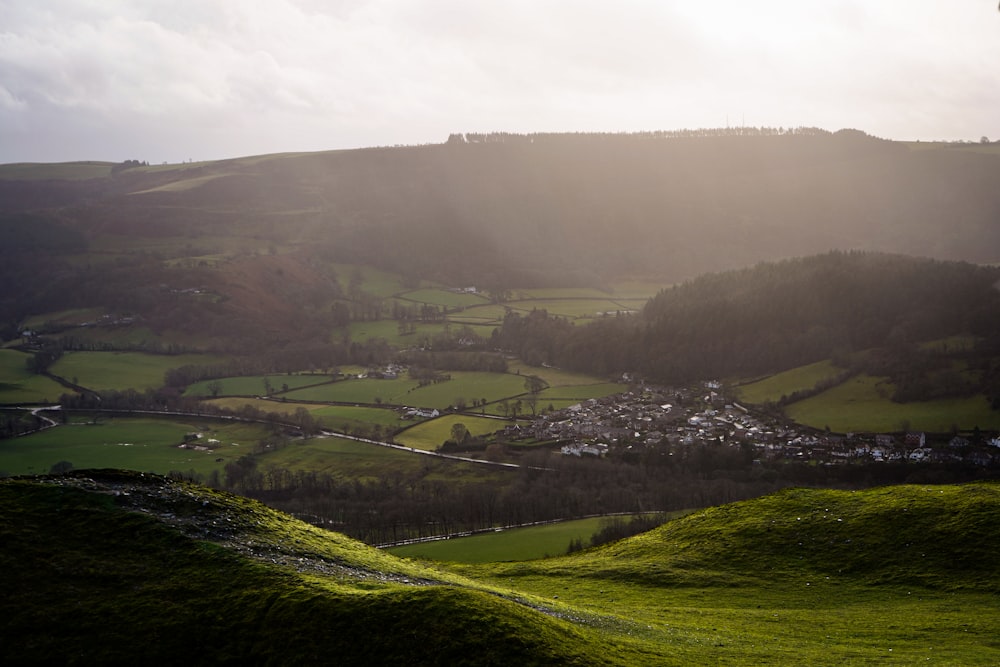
point(431, 434)
point(467, 385)
point(254, 385)
point(512, 544)
point(784, 384)
point(143, 444)
point(123, 370)
point(863, 403)
point(19, 385)
point(346, 459)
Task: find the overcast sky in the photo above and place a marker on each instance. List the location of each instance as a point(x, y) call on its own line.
point(172, 80)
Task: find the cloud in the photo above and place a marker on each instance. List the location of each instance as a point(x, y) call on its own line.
point(110, 78)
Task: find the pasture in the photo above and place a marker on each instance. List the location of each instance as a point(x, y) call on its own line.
point(372, 280)
point(863, 404)
point(19, 385)
point(254, 385)
point(512, 544)
point(467, 385)
point(442, 297)
point(346, 459)
point(783, 384)
point(123, 370)
point(143, 444)
point(389, 330)
point(429, 435)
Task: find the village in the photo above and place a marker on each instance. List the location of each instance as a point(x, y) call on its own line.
point(670, 421)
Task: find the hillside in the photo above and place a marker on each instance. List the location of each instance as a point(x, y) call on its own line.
point(110, 567)
point(494, 211)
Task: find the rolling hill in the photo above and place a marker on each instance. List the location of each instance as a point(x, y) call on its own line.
point(112, 567)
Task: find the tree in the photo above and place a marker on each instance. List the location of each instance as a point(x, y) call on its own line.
point(459, 433)
point(214, 388)
point(267, 387)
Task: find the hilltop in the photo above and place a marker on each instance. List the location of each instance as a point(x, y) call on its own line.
point(112, 567)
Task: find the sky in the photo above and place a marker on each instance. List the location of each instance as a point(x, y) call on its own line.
point(178, 80)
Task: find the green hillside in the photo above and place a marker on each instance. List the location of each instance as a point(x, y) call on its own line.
point(113, 568)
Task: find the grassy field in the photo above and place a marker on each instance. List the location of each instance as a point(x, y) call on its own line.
point(783, 384)
point(431, 434)
point(18, 385)
point(253, 385)
point(443, 297)
point(351, 460)
point(406, 391)
point(513, 544)
point(554, 377)
point(374, 281)
point(341, 416)
point(900, 576)
point(147, 445)
point(862, 404)
point(389, 330)
point(800, 577)
point(123, 370)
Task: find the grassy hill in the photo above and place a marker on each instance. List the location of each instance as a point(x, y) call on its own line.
point(111, 567)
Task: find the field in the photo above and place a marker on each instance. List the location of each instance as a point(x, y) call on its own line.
point(443, 297)
point(18, 385)
point(862, 404)
point(350, 460)
point(431, 434)
point(147, 445)
point(123, 370)
point(784, 384)
point(374, 281)
point(389, 330)
point(406, 391)
point(512, 544)
point(253, 385)
point(341, 416)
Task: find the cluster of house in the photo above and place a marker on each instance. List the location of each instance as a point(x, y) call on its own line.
point(669, 419)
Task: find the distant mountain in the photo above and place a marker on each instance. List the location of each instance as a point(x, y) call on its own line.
point(561, 209)
point(496, 211)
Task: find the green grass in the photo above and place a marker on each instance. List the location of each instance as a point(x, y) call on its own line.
point(863, 404)
point(18, 385)
point(349, 460)
point(89, 581)
point(573, 308)
point(339, 416)
point(389, 330)
point(901, 575)
point(787, 382)
point(253, 385)
point(123, 370)
point(431, 434)
point(897, 575)
point(374, 281)
point(580, 392)
point(406, 391)
point(554, 377)
point(148, 445)
point(443, 297)
point(513, 544)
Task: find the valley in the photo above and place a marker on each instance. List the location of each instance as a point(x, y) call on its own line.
point(398, 344)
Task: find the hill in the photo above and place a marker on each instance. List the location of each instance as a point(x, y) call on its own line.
point(111, 567)
point(497, 211)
